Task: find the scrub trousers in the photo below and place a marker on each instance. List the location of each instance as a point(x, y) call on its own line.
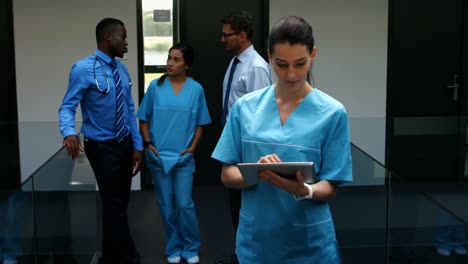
point(174, 197)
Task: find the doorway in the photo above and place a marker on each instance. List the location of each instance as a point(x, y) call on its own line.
point(426, 96)
point(200, 26)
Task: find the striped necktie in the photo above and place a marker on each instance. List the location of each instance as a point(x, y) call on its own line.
point(228, 91)
point(120, 128)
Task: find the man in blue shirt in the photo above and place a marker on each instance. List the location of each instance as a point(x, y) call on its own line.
point(247, 72)
point(102, 86)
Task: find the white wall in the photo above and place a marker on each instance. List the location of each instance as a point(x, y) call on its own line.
point(351, 62)
point(50, 35)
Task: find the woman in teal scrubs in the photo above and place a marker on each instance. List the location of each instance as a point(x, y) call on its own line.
point(171, 115)
point(286, 220)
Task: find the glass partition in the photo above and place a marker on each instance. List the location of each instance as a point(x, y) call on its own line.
point(428, 191)
point(17, 233)
point(360, 212)
point(66, 210)
point(426, 221)
point(52, 217)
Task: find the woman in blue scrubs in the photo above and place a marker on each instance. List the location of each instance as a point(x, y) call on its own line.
point(286, 220)
point(171, 115)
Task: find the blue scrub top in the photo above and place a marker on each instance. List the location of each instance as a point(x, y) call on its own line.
point(172, 121)
point(274, 227)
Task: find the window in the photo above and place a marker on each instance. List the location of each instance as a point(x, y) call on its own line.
point(158, 36)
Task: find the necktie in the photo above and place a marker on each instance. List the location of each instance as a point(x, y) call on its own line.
point(120, 129)
point(228, 90)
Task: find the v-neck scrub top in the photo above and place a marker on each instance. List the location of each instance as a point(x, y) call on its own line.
point(274, 227)
point(172, 121)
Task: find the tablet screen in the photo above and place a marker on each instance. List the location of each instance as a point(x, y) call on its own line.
point(250, 171)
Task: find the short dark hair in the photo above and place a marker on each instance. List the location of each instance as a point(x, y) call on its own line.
point(105, 26)
point(292, 30)
point(240, 21)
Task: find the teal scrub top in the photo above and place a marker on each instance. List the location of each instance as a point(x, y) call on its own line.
point(273, 226)
point(172, 122)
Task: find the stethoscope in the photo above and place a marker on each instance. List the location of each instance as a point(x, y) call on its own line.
point(104, 91)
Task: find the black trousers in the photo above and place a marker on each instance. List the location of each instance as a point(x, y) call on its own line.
point(235, 205)
point(112, 163)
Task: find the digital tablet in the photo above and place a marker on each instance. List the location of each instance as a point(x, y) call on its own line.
point(250, 171)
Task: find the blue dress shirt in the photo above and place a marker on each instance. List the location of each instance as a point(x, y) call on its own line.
point(91, 84)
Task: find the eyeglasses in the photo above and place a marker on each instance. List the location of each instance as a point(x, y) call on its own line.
point(225, 35)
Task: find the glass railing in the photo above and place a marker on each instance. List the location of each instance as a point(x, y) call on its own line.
point(428, 187)
point(17, 226)
point(426, 221)
point(53, 216)
point(360, 212)
point(66, 210)
point(399, 215)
